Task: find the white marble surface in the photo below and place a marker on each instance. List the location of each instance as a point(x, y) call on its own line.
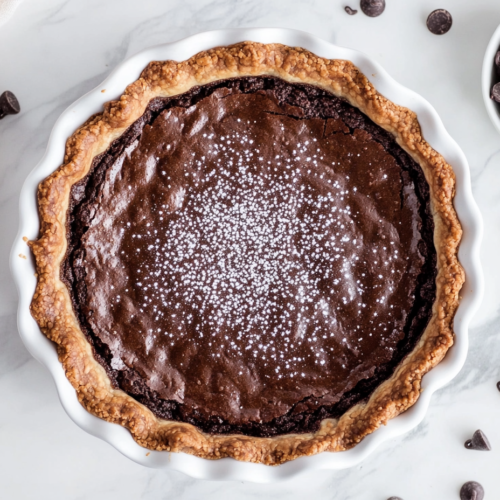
point(54, 51)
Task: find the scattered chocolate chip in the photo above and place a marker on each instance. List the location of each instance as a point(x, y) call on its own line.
point(395, 498)
point(350, 11)
point(9, 105)
point(471, 491)
point(372, 8)
point(439, 21)
point(495, 95)
point(498, 386)
point(478, 442)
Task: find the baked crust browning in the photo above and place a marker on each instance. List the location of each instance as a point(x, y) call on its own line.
point(52, 306)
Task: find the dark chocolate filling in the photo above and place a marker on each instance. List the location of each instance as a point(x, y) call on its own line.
point(302, 103)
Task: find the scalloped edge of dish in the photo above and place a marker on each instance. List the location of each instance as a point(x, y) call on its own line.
point(228, 469)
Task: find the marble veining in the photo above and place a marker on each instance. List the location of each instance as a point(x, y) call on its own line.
point(53, 52)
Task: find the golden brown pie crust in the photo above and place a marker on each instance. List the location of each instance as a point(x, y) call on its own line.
point(52, 307)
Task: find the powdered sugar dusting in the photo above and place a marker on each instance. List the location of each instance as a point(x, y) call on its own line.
point(252, 257)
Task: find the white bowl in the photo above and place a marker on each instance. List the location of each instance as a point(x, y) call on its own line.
point(487, 76)
point(43, 350)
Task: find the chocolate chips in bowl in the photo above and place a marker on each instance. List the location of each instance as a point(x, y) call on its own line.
point(495, 88)
point(490, 77)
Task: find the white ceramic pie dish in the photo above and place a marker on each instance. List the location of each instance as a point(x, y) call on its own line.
point(23, 268)
point(492, 107)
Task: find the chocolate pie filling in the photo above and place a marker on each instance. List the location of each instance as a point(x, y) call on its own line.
point(252, 256)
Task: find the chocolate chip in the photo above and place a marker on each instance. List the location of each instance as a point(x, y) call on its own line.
point(478, 442)
point(350, 11)
point(439, 21)
point(497, 65)
point(395, 498)
point(498, 386)
point(471, 491)
point(372, 8)
point(495, 95)
point(9, 105)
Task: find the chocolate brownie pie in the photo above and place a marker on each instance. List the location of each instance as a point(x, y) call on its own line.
point(250, 254)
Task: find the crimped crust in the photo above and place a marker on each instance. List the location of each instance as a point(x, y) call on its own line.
point(52, 307)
